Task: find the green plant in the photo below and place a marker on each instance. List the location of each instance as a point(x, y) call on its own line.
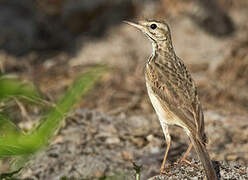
point(14, 142)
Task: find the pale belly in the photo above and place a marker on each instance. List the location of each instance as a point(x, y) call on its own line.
point(164, 116)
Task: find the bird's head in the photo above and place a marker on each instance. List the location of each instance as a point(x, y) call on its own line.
point(153, 29)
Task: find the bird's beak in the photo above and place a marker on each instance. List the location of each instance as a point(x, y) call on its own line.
point(138, 26)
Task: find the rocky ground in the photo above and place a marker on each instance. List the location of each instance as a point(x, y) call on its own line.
point(115, 125)
point(93, 145)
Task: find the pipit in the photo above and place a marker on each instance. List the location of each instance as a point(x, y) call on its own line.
point(173, 93)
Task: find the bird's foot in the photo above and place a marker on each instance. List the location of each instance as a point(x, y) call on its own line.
point(183, 160)
point(163, 171)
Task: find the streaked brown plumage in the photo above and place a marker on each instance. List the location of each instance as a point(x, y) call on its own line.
point(173, 92)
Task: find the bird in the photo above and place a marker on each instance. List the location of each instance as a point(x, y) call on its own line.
point(173, 93)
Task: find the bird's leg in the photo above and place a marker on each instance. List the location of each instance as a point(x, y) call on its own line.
point(168, 141)
point(162, 169)
point(186, 154)
point(184, 158)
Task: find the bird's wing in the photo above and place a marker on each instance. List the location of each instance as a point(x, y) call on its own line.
point(175, 89)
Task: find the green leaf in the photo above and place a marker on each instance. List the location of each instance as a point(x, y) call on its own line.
point(8, 128)
point(52, 120)
point(13, 87)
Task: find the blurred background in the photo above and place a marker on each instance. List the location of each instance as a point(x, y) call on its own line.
point(48, 42)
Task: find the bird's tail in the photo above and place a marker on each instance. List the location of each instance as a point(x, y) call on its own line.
point(204, 158)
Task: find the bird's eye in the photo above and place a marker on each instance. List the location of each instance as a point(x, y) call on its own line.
point(153, 26)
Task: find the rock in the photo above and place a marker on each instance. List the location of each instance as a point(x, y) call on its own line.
point(183, 171)
point(212, 17)
point(113, 140)
point(95, 16)
point(49, 25)
point(17, 22)
point(127, 155)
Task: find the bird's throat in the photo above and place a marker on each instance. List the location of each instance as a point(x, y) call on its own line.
point(162, 47)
